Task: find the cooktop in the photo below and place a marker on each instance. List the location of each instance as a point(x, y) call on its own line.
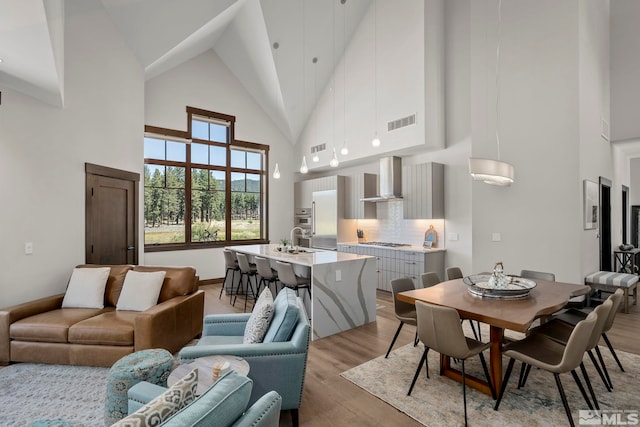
point(387, 244)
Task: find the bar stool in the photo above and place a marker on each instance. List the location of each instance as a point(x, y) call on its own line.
point(290, 279)
point(231, 264)
point(267, 274)
point(247, 270)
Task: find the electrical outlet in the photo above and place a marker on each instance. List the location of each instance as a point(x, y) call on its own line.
point(28, 248)
point(338, 275)
point(453, 236)
point(495, 237)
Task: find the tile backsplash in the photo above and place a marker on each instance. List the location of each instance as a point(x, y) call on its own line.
point(392, 227)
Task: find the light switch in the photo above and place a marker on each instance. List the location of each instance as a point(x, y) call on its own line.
point(495, 237)
point(338, 275)
point(28, 248)
point(453, 236)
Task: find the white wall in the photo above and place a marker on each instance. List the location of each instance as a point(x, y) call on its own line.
point(43, 151)
point(596, 153)
point(205, 82)
point(395, 44)
point(539, 216)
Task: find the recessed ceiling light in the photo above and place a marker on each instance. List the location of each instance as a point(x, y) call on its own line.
point(1, 60)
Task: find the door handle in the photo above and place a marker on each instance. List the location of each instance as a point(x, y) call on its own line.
point(130, 248)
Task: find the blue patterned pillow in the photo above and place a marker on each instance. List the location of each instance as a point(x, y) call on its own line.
point(260, 318)
point(164, 406)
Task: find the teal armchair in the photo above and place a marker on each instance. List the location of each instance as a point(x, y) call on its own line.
point(278, 363)
point(223, 405)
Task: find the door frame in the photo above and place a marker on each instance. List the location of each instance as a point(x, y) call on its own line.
point(605, 229)
point(92, 169)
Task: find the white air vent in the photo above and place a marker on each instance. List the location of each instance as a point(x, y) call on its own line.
point(318, 148)
point(400, 123)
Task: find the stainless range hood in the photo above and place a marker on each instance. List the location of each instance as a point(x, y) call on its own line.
point(390, 180)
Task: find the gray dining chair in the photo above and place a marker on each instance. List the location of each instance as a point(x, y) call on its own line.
point(404, 311)
point(454, 273)
point(550, 277)
point(573, 316)
point(440, 330)
point(544, 353)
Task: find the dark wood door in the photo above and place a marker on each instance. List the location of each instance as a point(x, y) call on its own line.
point(606, 255)
point(111, 216)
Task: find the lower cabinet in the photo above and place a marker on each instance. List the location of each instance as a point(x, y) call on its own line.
point(393, 263)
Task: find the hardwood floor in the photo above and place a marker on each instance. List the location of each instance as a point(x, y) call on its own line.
point(329, 399)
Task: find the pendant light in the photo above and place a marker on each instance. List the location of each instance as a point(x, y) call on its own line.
point(276, 172)
point(334, 162)
point(490, 171)
point(375, 141)
point(344, 150)
point(303, 166)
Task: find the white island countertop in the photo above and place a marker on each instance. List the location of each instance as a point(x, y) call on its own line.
point(307, 258)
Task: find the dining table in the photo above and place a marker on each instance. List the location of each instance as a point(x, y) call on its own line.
point(500, 314)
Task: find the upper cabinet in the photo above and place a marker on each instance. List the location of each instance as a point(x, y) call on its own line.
point(303, 190)
point(423, 191)
point(357, 187)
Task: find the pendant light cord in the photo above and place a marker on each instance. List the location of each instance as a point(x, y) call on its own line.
point(498, 76)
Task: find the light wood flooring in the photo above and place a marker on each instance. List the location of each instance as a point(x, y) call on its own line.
point(330, 400)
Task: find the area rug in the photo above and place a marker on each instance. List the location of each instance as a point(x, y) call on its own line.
point(437, 401)
point(30, 392)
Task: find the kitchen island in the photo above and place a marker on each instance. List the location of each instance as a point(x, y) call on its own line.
point(343, 285)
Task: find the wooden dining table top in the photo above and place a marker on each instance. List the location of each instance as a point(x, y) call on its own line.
point(514, 314)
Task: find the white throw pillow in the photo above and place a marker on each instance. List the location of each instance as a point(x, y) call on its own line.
point(260, 318)
point(140, 290)
point(86, 288)
point(160, 409)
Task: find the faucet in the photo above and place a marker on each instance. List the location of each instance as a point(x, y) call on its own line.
point(291, 234)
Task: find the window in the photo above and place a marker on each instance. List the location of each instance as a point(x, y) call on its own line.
point(202, 187)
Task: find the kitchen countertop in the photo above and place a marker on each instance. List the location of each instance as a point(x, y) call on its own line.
point(308, 258)
point(399, 248)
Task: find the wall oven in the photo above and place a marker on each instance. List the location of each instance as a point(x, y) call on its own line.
point(303, 218)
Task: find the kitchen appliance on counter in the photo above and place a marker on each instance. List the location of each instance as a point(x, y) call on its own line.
point(324, 209)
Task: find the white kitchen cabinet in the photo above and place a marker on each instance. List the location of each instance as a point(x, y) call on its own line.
point(423, 191)
point(393, 263)
point(357, 187)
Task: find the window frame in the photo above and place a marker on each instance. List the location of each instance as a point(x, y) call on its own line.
point(186, 137)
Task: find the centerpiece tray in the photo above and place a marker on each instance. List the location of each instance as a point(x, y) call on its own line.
point(515, 288)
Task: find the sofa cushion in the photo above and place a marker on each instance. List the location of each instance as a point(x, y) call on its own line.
point(177, 281)
point(260, 318)
point(164, 406)
point(114, 283)
point(220, 339)
point(86, 288)
point(51, 326)
point(140, 290)
point(112, 328)
point(285, 317)
point(220, 405)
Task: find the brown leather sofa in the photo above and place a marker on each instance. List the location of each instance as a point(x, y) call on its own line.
point(41, 331)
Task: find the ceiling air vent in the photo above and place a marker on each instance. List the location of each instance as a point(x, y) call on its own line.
point(400, 123)
point(318, 148)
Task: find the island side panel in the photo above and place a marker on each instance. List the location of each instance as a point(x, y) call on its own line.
point(341, 305)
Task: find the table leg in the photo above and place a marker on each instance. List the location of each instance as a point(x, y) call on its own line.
point(495, 356)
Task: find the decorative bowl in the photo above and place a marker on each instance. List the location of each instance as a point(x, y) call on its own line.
point(516, 287)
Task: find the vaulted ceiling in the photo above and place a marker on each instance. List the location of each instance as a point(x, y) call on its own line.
point(268, 44)
point(284, 81)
